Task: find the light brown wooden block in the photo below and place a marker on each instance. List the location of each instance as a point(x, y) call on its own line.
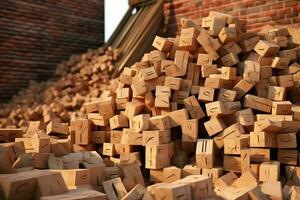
point(281, 108)
point(230, 132)
point(156, 175)
point(114, 189)
point(205, 153)
point(190, 131)
point(83, 131)
point(156, 137)
point(269, 171)
point(207, 70)
point(259, 155)
point(136, 193)
point(179, 96)
point(268, 126)
point(163, 90)
point(201, 186)
point(172, 191)
point(227, 34)
point(173, 83)
point(252, 71)
point(162, 44)
point(131, 137)
point(109, 149)
point(204, 59)
point(228, 73)
point(147, 74)
point(133, 109)
point(214, 24)
point(214, 126)
point(118, 121)
point(213, 173)
point(245, 117)
point(287, 140)
point(206, 94)
point(181, 61)
point(140, 122)
point(171, 174)
point(260, 117)
point(258, 103)
point(249, 44)
point(215, 108)
point(193, 107)
point(54, 128)
point(277, 93)
point(266, 49)
point(235, 145)
point(188, 39)
point(209, 44)
point(226, 180)
point(158, 156)
point(178, 117)
point(230, 59)
point(263, 139)
point(162, 101)
point(242, 87)
point(190, 170)
point(232, 163)
point(272, 189)
point(245, 160)
point(98, 119)
point(161, 122)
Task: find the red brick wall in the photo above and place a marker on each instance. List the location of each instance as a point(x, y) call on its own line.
point(257, 12)
point(36, 35)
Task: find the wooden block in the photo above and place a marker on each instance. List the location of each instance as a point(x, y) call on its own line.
point(249, 44)
point(156, 137)
point(269, 171)
point(156, 175)
point(213, 173)
point(245, 117)
point(242, 87)
point(171, 174)
point(179, 96)
point(214, 24)
point(215, 108)
point(281, 108)
point(140, 122)
point(41, 145)
point(285, 81)
point(204, 59)
point(208, 70)
point(133, 109)
point(289, 53)
point(206, 94)
point(181, 61)
point(252, 71)
point(266, 49)
point(235, 145)
point(82, 194)
point(205, 153)
point(82, 131)
point(109, 149)
point(136, 193)
point(131, 137)
point(260, 117)
point(190, 131)
point(157, 156)
point(193, 107)
point(33, 128)
point(55, 128)
point(226, 180)
point(169, 68)
point(280, 63)
point(256, 194)
point(190, 170)
point(147, 74)
point(9, 135)
point(173, 191)
point(258, 103)
point(163, 90)
point(287, 156)
point(118, 121)
point(232, 163)
point(214, 126)
point(209, 44)
point(114, 189)
point(230, 59)
point(276, 93)
point(245, 160)
point(201, 186)
point(173, 83)
point(162, 44)
point(272, 189)
point(296, 112)
point(227, 34)
point(230, 132)
point(139, 87)
point(188, 39)
point(259, 155)
point(161, 122)
point(263, 139)
point(178, 117)
point(98, 119)
point(98, 137)
point(75, 177)
point(231, 107)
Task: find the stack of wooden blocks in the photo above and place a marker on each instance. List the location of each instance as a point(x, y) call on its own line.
point(210, 114)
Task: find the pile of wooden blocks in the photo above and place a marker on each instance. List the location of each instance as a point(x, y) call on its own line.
point(78, 80)
point(210, 114)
